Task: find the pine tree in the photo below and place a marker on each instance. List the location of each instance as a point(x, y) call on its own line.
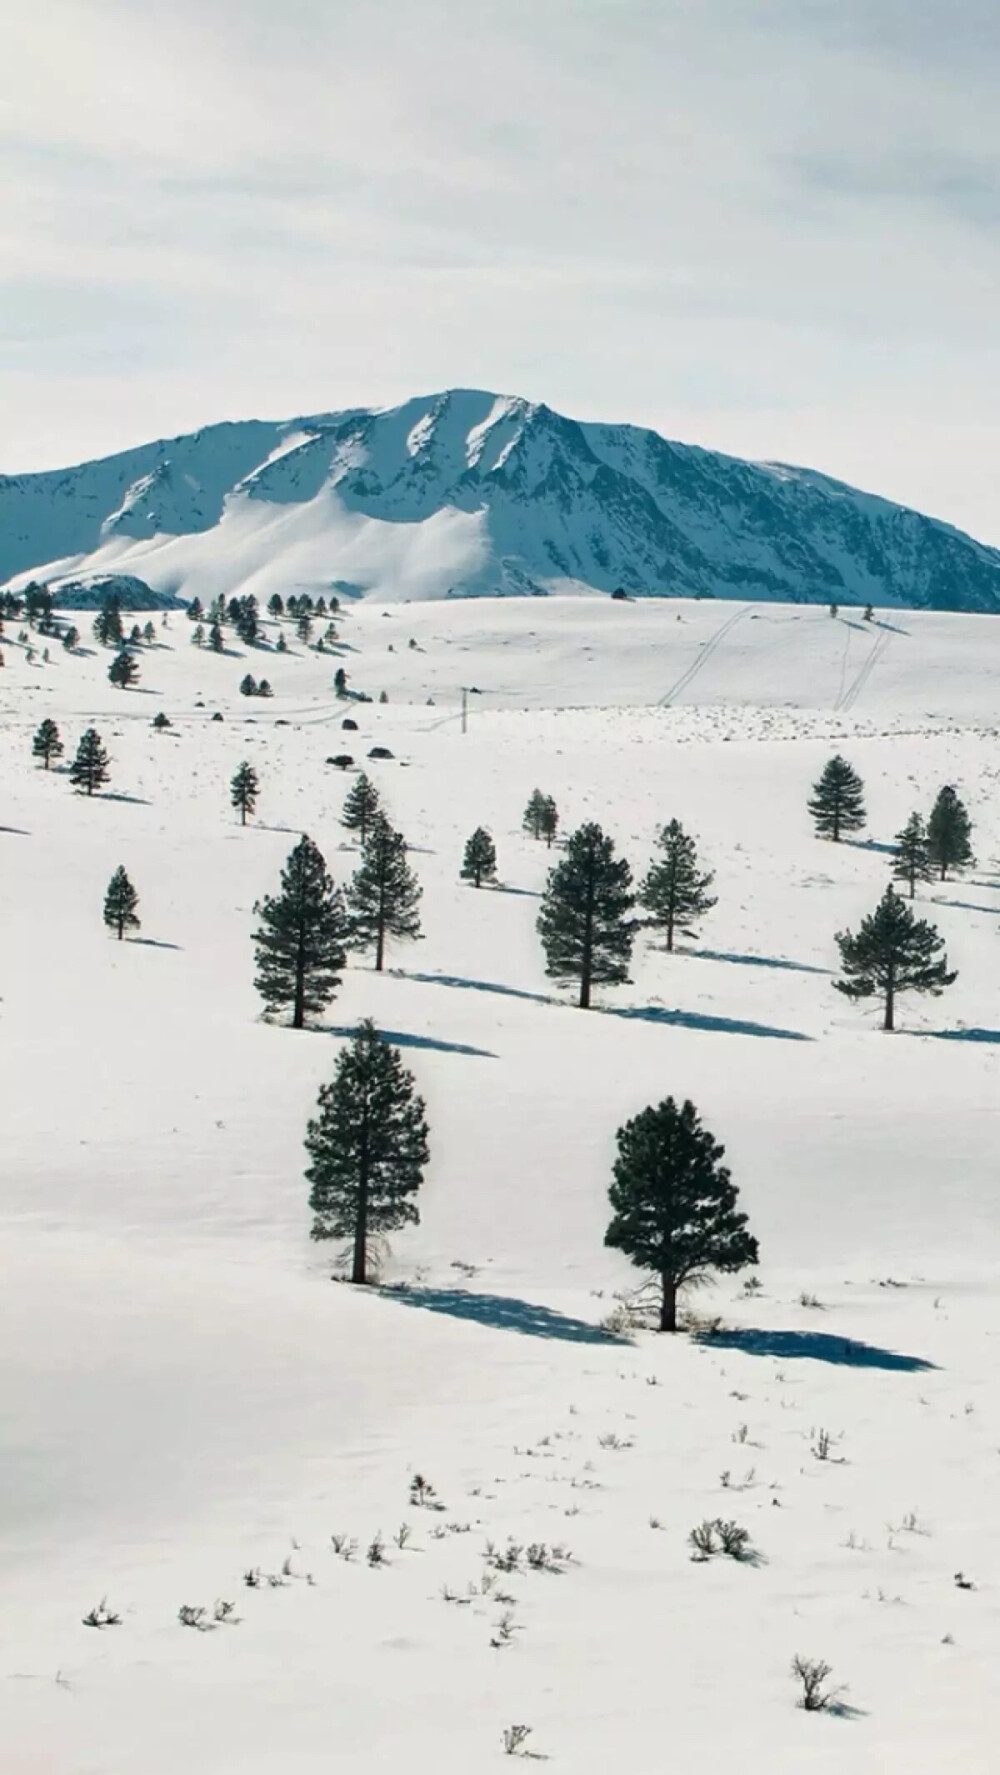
point(837, 804)
point(194, 610)
point(46, 744)
point(275, 606)
point(244, 790)
point(281, 645)
point(480, 861)
point(383, 895)
point(367, 1146)
point(674, 1204)
point(120, 904)
point(892, 952)
point(248, 685)
point(149, 634)
point(123, 670)
point(361, 806)
point(89, 769)
point(108, 630)
point(534, 814)
point(215, 639)
point(911, 857)
point(301, 940)
point(583, 923)
point(71, 638)
point(304, 628)
point(198, 635)
point(340, 681)
point(948, 831)
point(673, 892)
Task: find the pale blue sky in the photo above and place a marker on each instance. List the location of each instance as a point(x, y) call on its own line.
point(770, 226)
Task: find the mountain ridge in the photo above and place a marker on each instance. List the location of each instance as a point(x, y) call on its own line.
point(470, 493)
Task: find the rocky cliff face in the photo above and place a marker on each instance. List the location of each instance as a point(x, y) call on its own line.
point(469, 493)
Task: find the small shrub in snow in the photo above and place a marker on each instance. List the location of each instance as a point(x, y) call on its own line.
point(193, 1615)
point(225, 1613)
point(704, 1540)
point(514, 1739)
point(423, 1494)
point(812, 1674)
point(101, 1616)
point(376, 1550)
point(402, 1535)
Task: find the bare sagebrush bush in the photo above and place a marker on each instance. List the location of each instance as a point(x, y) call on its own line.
point(101, 1616)
point(734, 1540)
point(225, 1613)
point(193, 1615)
point(822, 1445)
point(514, 1739)
point(504, 1631)
point(251, 1578)
point(402, 1535)
point(704, 1540)
point(423, 1494)
point(812, 1674)
point(344, 1546)
point(376, 1550)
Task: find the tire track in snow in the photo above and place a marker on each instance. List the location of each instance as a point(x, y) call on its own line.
point(847, 702)
point(705, 654)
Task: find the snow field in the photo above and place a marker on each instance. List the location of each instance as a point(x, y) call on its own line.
point(186, 1394)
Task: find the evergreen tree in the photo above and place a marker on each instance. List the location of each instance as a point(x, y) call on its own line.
point(194, 610)
point(838, 804)
point(536, 814)
point(302, 937)
point(304, 628)
point(480, 861)
point(361, 806)
point(892, 952)
point(215, 640)
point(367, 1146)
point(911, 857)
point(135, 636)
point(248, 685)
point(46, 744)
point(217, 611)
point(583, 923)
point(281, 645)
point(149, 634)
point(340, 681)
point(674, 893)
point(244, 790)
point(383, 895)
point(120, 904)
point(550, 821)
point(948, 831)
point(264, 688)
point(71, 638)
point(123, 670)
point(198, 635)
point(674, 1204)
point(108, 630)
point(89, 769)
point(275, 606)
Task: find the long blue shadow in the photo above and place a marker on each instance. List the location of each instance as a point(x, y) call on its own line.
point(401, 1039)
point(700, 1020)
point(964, 1035)
point(757, 961)
point(816, 1346)
point(503, 1313)
point(536, 998)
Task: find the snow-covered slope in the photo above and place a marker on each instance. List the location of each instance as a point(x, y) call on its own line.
point(467, 493)
point(186, 1398)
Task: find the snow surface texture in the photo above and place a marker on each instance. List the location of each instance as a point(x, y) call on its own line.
point(469, 493)
point(186, 1396)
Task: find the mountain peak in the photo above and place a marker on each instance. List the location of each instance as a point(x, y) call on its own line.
point(469, 492)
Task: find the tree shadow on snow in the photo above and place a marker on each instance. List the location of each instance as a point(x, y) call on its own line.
point(701, 1020)
point(964, 906)
point(817, 1346)
point(537, 998)
point(118, 795)
point(756, 961)
point(17, 831)
point(963, 1035)
point(503, 1313)
point(502, 887)
point(869, 844)
point(400, 1039)
point(152, 943)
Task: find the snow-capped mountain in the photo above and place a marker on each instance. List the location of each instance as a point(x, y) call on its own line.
point(469, 493)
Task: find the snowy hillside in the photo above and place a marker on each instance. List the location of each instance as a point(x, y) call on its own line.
point(187, 1398)
point(469, 493)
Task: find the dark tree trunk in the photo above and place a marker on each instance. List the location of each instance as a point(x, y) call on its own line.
point(587, 959)
point(890, 1003)
point(299, 1004)
point(380, 942)
point(668, 1305)
point(359, 1270)
point(670, 929)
